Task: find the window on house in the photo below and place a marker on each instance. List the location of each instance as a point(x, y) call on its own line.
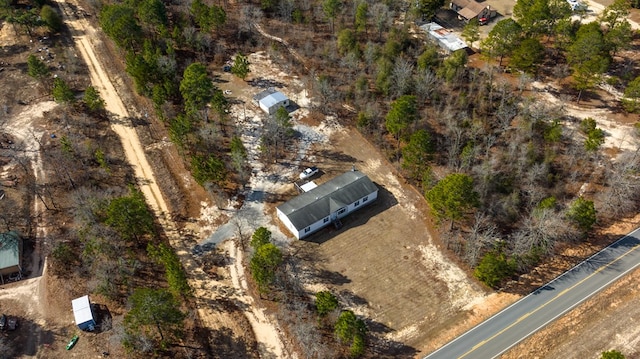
point(365, 199)
point(342, 210)
point(356, 204)
point(326, 219)
point(306, 230)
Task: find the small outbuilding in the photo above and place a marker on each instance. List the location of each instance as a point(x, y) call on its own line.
point(10, 256)
point(83, 313)
point(270, 100)
point(327, 203)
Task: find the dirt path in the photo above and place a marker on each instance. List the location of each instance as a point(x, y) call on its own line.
point(284, 42)
point(204, 288)
point(29, 293)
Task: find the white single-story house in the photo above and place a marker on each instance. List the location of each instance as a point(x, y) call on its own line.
point(83, 313)
point(270, 100)
point(327, 203)
point(446, 39)
point(10, 255)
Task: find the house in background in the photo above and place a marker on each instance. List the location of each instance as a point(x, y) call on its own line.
point(468, 10)
point(327, 203)
point(10, 256)
point(83, 313)
point(270, 100)
point(445, 38)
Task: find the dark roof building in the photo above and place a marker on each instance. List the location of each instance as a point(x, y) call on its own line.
point(327, 203)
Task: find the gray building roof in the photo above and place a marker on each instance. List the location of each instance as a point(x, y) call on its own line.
point(262, 94)
point(320, 202)
point(273, 99)
point(9, 250)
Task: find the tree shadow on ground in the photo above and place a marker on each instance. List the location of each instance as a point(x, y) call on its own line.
point(104, 319)
point(11, 50)
point(336, 156)
point(28, 338)
point(588, 98)
point(350, 299)
point(329, 277)
point(222, 344)
point(382, 347)
point(261, 82)
point(219, 79)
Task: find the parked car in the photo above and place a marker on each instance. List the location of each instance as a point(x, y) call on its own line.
point(308, 172)
point(3, 322)
point(577, 5)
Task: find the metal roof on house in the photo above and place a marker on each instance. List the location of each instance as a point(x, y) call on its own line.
point(320, 202)
point(444, 36)
point(9, 250)
point(262, 94)
point(82, 310)
point(273, 99)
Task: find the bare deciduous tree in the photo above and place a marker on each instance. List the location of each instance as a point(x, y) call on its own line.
point(482, 234)
point(401, 76)
point(426, 85)
point(382, 17)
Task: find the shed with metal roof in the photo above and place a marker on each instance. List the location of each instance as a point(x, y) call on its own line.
point(10, 255)
point(270, 100)
point(83, 314)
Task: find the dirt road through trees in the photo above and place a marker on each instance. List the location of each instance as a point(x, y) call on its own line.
point(213, 318)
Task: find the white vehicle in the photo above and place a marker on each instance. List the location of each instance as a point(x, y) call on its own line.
point(577, 5)
point(309, 172)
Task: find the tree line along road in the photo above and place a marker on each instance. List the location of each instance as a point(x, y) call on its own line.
point(497, 334)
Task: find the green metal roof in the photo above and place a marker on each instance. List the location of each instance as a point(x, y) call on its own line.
point(9, 250)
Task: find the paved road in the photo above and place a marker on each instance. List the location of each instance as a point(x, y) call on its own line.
point(497, 334)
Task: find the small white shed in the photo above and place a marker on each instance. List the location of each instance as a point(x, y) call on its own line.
point(83, 314)
point(270, 100)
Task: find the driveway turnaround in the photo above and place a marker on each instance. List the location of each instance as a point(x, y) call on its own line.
point(497, 334)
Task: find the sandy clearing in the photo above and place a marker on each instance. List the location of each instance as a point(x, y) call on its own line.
point(30, 291)
point(461, 293)
point(595, 9)
point(618, 136)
